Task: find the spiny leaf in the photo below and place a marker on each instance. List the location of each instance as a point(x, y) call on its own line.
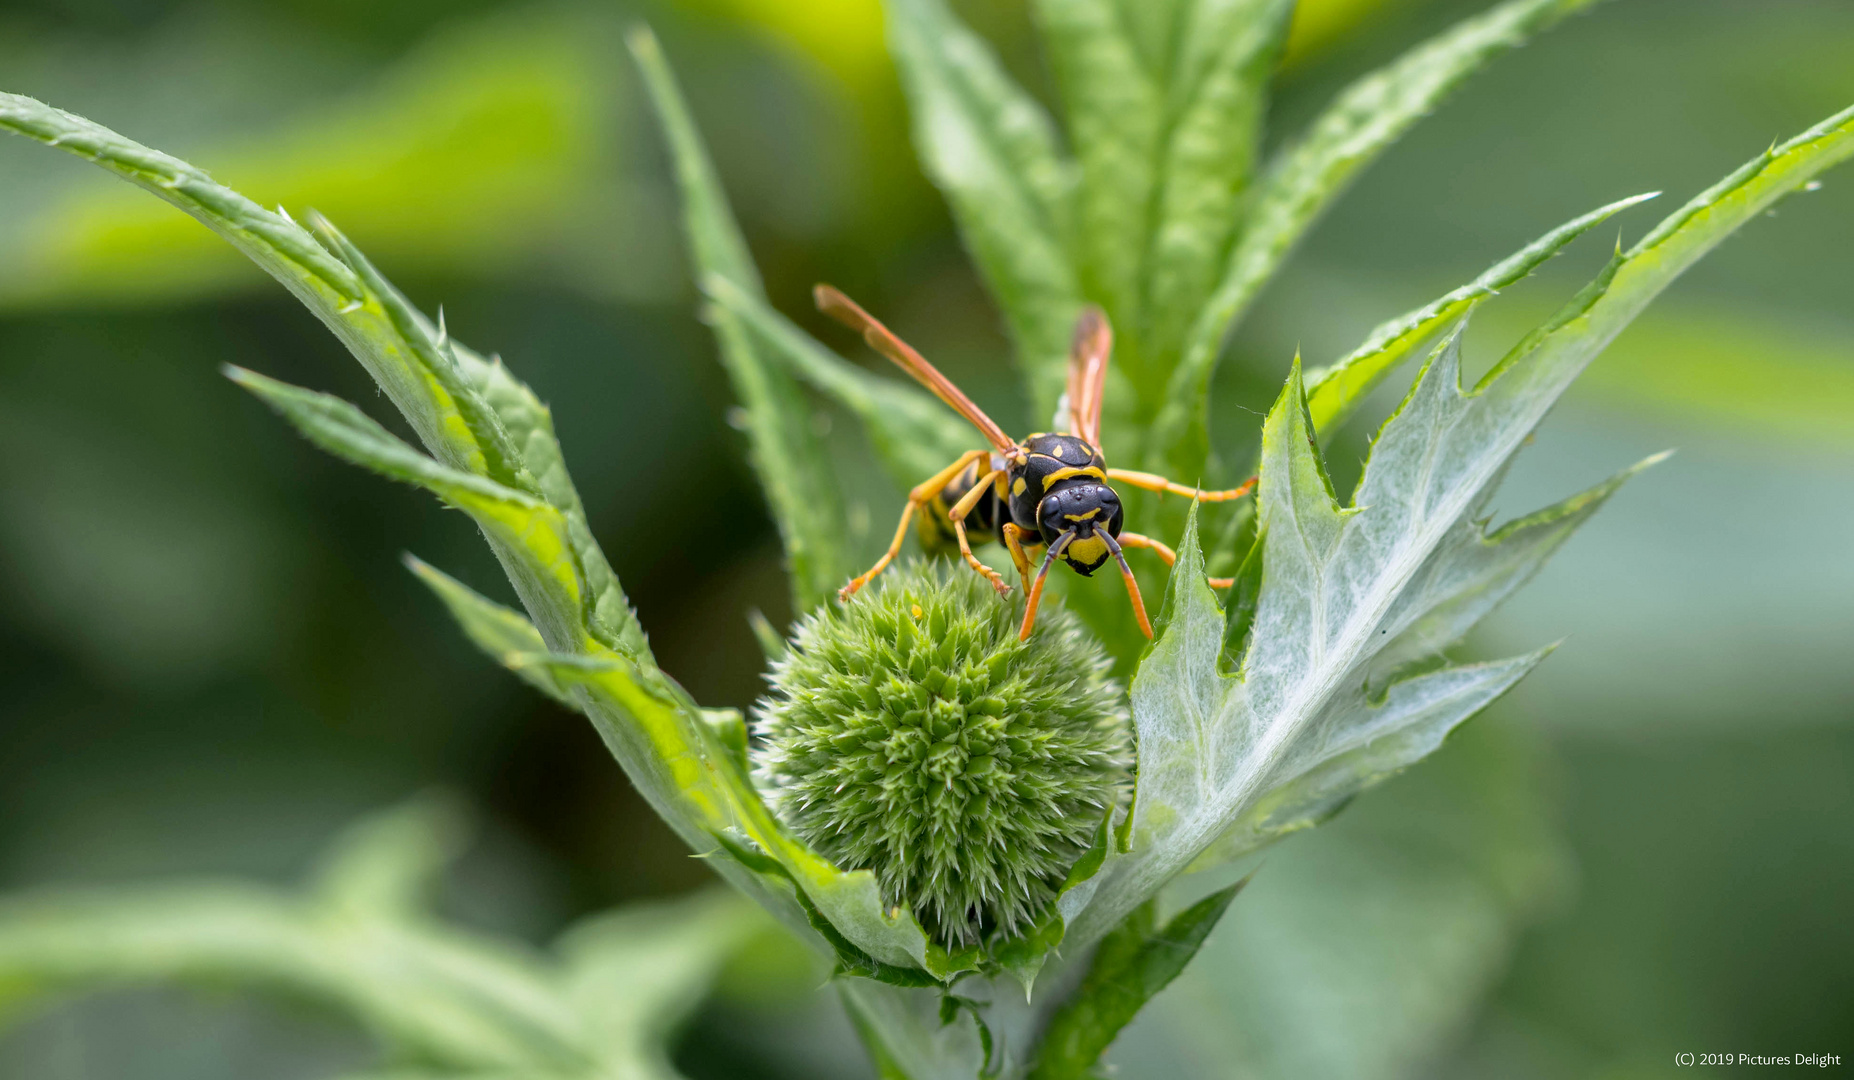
point(1133, 963)
point(1407, 726)
point(992, 150)
point(1305, 178)
point(1484, 568)
point(433, 353)
point(1404, 567)
point(1335, 392)
point(786, 451)
point(504, 633)
point(911, 431)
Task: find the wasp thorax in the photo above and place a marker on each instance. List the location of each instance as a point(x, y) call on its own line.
point(910, 733)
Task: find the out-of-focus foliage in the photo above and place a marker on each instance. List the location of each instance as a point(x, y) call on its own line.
point(440, 1001)
point(495, 149)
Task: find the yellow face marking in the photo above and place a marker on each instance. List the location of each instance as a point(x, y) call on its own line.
point(1081, 517)
point(1064, 474)
point(1018, 486)
point(1086, 552)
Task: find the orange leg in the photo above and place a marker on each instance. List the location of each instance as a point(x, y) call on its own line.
point(1135, 540)
point(1036, 590)
point(916, 499)
point(960, 510)
point(1013, 539)
point(1155, 482)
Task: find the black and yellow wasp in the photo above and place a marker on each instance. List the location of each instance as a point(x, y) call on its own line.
point(1048, 491)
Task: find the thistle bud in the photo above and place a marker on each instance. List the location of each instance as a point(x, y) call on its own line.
point(909, 733)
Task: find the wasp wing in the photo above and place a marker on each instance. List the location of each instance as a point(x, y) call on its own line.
point(1094, 342)
point(882, 340)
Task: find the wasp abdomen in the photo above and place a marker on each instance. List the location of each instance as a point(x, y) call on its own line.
point(936, 524)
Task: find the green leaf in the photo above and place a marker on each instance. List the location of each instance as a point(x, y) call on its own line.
point(1308, 175)
point(1404, 568)
point(1590, 321)
point(668, 746)
point(992, 150)
point(1335, 392)
point(334, 291)
point(504, 633)
point(531, 426)
point(911, 431)
point(533, 533)
point(1133, 963)
point(786, 451)
point(434, 354)
point(1164, 107)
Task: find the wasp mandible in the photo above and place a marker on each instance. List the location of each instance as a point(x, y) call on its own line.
point(1048, 491)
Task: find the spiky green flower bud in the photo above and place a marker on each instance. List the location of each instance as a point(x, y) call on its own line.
point(911, 734)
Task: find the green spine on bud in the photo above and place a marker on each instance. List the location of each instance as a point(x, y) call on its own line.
point(911, 734)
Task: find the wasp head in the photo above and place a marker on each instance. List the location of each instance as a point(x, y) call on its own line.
point(1088, 509)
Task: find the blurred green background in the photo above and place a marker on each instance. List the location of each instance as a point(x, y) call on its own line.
point(211, 658)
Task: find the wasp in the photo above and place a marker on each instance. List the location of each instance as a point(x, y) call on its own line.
point(1049, 491)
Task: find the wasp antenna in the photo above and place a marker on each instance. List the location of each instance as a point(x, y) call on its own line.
point(1139, 604)
point(883, 340)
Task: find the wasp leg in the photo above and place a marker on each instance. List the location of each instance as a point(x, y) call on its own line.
point(1036, 590)
point(1013, 540)
point(922, 492)
point(1135, 540)
point(958, 514)
point(1155, 482)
